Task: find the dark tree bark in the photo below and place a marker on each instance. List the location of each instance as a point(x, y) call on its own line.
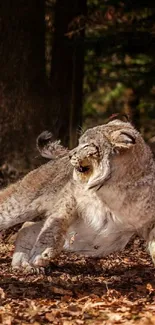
point(131, 107)
point(24, 97)
point(67, 69)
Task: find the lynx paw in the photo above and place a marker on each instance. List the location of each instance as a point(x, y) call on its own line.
point(20, 260)
point(20, 263)
point(152, 250)
point(42, 259)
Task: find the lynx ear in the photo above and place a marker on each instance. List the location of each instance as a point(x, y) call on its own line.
point(44, 143)
point(123, 139)
point(43, 139)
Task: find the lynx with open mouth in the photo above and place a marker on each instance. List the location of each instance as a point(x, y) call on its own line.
point(85, 160)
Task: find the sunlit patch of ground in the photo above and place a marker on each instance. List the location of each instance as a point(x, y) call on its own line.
point(115, 290)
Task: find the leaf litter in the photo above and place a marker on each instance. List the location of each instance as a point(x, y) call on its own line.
point(118, 289)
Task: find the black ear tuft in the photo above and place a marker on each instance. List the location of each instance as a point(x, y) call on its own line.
point(43, 139)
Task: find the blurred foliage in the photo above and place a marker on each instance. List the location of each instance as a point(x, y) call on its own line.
point(119, 62)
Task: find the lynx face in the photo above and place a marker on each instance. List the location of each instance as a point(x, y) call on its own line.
point(102, 152)
point(87, 160)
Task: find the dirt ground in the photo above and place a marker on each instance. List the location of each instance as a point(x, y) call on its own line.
point(119, 289)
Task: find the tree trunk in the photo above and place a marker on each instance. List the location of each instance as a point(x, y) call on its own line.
point(24, 98)
point(67, 69)
point(131, 107)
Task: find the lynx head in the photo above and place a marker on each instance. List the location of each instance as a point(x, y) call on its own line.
point(108, 152)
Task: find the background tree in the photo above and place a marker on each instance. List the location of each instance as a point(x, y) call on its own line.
point(67, 68)
point(24, 98)
point(28, 103)
point(23, 101)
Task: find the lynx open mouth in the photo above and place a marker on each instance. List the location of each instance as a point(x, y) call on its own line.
point(86, 162)
point(87, 169)
point(85, 166)
point(83, 169)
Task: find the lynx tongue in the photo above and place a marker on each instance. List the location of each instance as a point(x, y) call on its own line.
point(83, 169)
point(84, 166)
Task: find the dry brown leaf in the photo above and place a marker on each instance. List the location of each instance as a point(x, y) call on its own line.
point(6, 319)
point(2, 293)
point(61, 291)
point(150, 288)
point(50, 317)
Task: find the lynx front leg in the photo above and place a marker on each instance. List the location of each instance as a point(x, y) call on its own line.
point(151, 244)
point(51, 238)
point(26, 238)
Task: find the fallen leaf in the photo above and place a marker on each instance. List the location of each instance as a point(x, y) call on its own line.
point(61, 291)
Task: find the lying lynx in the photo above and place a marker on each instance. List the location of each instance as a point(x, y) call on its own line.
point(109, 198)
point(111, 195)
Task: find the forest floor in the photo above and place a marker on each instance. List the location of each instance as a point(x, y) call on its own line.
point(119, 289)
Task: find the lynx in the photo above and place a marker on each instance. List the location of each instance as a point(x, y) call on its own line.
point(109, 198)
